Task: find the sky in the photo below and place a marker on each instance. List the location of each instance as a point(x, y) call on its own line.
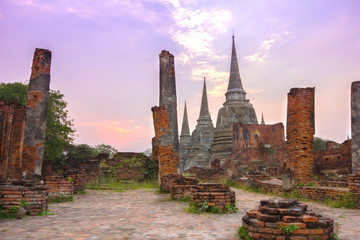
point(105, 58)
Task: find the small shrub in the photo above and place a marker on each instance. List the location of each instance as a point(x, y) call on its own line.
point(205, 208)
point(13, 209)
point(82, 191)
point(287, 230)
point(69, 179)
point(244, 234)
point(24, 204)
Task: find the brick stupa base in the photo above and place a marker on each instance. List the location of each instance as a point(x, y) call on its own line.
point(214, 194)
point(273, 215)
point(181, 187)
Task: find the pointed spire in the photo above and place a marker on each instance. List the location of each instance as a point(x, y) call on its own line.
point(204, 110)
point(235, 91)
point(262, 119)
point(185, 125)
point(234, 80)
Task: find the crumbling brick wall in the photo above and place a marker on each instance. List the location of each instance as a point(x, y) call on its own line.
point(127, 166)
point(354, 187)
point(300, 133)
point(335, 159)
point(258, 146)
point(59, 186)
point(167, 156)
point(12, 124)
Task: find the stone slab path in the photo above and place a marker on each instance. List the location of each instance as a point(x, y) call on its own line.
point(144, 214)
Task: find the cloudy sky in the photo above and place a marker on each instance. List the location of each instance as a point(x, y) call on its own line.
point(105, 58)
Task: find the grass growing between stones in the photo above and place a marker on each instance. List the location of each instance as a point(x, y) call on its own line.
point(205, 208)
point(121, 186)
point(244, 234)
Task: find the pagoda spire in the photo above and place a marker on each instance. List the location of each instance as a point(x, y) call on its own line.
point(262, 119)
point(204, 109)
point(235, 89)
point(185, 125)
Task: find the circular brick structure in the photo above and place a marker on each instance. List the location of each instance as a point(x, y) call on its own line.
point(273, 218)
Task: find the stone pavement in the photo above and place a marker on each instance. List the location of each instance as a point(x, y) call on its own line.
point(144, 214)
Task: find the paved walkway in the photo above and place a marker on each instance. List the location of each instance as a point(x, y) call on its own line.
point(143, 214)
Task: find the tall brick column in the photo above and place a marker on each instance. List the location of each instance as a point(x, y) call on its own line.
point(168, 158)
point(36, 108)
point(168, 93)
point(355, 127)
point(300, 133)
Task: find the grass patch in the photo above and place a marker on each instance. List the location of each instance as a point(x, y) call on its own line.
point(82, 191)
point(343, 201)
point(244, 234)
point(121, 186)
point(184, 199)
point(4, 230)
point(45, 213)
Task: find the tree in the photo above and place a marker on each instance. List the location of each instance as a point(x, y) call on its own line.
point(319, 144)
point(74, 154)
point(104, 148)
point(59, 129)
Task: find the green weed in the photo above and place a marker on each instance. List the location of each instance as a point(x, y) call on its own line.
point(287, 230)
point(244, 234)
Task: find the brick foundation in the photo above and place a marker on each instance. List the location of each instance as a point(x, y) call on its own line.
point(32, 192)
point(181, 187)
point(268, 221)
point(300, 133)
point(166, 181)
point(214, 194)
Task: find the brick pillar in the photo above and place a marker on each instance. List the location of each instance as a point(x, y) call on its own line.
point(168, 93)
point(168, 157)
point(300, 133)
point(355, 127)
point(17, 142)
point(36, 108)
point(6, 113)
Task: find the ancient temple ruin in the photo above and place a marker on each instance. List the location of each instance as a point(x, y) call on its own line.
point(195, 149)
point(236, 109)
point(208, 143)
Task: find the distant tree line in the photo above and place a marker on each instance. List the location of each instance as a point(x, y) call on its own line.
point(59, 136)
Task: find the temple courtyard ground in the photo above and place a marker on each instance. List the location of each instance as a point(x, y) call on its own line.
point(145, 214)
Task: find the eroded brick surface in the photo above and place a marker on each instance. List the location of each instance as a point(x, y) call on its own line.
point(273, 215)
point(12, 123)
point(300, 133)
point(36, 109)
point(355, 126)
point(167, 156)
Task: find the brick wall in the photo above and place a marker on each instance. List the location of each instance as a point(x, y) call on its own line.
point(208, 174)
point(300, 133)
point(214, 194)
point(167, 156)
point(12, 127)
point(333, 158)
point(354, 186)
point(59, 186)
point(32, 192)
point(127, 166)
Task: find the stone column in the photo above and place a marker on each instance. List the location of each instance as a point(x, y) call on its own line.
point(300, 133)
point(355, 126)
point(168, 158)
point(168, 93)
point(36, 109)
